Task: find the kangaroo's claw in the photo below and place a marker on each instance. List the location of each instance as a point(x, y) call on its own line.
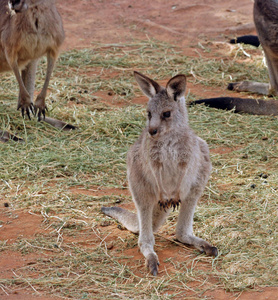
point(152, 264)
point(26, 109)
point(210, 250)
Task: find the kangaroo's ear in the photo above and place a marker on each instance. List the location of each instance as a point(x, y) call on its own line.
point(18, 5)
point(149, 87)
point(176, 87)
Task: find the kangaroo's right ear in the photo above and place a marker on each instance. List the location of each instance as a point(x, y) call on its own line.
point(176, 87)
point(149, 87)
point(18, 5)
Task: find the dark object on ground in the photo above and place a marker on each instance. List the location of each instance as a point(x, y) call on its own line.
point(246, 39)
point(249, 106)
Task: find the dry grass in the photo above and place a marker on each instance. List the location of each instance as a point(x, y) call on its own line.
point(238, 211)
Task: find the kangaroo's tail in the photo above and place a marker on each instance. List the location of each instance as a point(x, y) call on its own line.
point(247, 39)
point(249, 106)
point(59, 124)
point(125, 217)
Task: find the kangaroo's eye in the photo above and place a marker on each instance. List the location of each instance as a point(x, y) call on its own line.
point(149, 115)
point(166, 114)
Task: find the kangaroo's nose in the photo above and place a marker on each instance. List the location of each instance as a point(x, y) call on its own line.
point(152, 132)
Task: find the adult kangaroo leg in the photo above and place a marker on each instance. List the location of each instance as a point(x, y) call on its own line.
point(265, 19)
point(24, 100)
point(40, 105)
point(272, 65)
point(261, 88)
point(28, 75)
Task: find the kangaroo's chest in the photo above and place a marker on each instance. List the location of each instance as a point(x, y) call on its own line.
point(35, 43)
point(37, 34)
point(168, 153)
point(167, 158)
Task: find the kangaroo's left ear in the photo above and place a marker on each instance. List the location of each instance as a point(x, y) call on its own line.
point(176, 87)
point(148, 86)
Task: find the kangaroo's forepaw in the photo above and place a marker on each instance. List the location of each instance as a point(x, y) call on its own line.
point(40, 111)
point(175, 203)
point(152, 263)
point(210, 250)
point(40, 107)
point(169, 203)
point(26, 108)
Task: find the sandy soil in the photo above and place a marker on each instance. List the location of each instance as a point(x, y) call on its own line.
point(181, 22)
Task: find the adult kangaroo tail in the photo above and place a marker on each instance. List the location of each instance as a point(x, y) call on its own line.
point(125, 217)
point(249, 106)
point(247, 39)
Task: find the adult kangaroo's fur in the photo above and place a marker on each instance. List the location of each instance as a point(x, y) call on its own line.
point(30, 29)
point(266, 21)
point(168, 166)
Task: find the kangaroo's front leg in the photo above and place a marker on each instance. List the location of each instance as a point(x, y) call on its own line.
point(40, 105)
point(24, 99)
point(146, 237)
point(171, 197)
point(176, 197)
point(164, 197)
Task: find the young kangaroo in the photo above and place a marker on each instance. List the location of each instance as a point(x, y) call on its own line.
point(29, 29)
point(168, 166)
point(266, 21)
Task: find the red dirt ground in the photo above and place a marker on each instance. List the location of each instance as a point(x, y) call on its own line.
point(180, 22)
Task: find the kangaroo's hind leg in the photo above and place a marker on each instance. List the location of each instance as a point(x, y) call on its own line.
point(151, 216)
point(159, 216)
point(260, 88)
point(184, 230)
point(272, 64)
point(270, 88)
point(146, 238)
point(255, 87)
point(28, 75)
